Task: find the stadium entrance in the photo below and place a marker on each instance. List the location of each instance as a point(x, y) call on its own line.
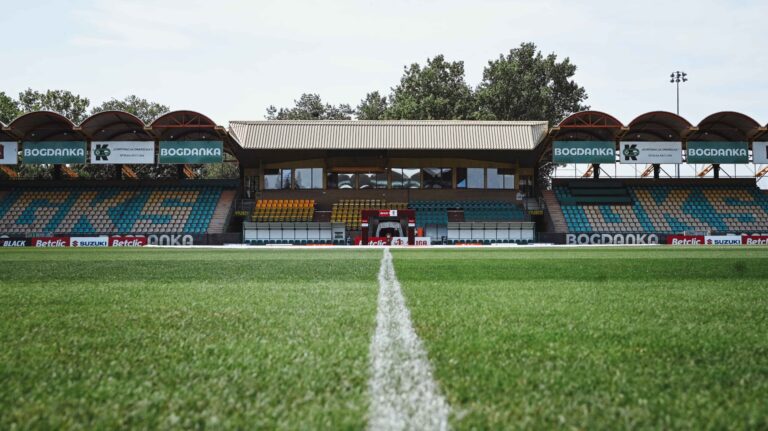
point(387, 227)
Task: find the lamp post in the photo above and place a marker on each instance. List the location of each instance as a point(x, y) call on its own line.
point(677, 77)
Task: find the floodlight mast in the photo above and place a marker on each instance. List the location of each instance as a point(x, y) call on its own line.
point(677, 77)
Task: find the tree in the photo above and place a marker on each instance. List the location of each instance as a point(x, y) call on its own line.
point(9, 108)
point(142, 108)
point(310, 107)
point(64, 102)
point(525, 85)
point(373, 107)
point(436, 91)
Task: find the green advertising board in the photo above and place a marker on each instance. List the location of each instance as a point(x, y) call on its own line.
point(195, 152)
point(53, 152)
point(583, 152)
point(716, 152)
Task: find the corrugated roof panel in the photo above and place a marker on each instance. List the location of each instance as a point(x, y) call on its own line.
point(389, 135)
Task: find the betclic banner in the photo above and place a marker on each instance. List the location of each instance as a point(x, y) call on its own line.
point(717, 152)
point(53, 152)
point(651, 152)
point(123, 152)
point(9, 153)
point(583, 152)
point(192, 152)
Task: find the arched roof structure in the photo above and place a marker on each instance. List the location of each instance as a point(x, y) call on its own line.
point(588, 125)
point(44, 126)
point(115, 126)
point(658, 126)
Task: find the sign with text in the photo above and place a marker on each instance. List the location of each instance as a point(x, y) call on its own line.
point(194, 152)
point(89, 241)
point(53, 152)
point(583, 152)
point(9, 153)
point(717, 152)
point(122, 152)
point(650, 152)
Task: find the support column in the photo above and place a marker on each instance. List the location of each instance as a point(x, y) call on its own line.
point(596, 171)
point(717, 170)
point(656, 170)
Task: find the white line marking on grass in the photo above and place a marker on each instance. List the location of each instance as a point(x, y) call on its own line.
point(404, 395)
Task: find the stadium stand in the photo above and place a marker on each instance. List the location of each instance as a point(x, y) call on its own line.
point(110, 210)
point(284, 210)
point(347, 211)
point(436, 212)
point(664, 208)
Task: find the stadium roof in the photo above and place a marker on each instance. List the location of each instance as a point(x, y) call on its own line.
point(388, 135)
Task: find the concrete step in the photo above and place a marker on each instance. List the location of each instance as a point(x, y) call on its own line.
point(555, 212)
point(220, 219)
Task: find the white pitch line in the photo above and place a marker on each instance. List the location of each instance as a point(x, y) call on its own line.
point(404, 395)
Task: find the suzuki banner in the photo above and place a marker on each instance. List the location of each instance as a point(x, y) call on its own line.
point(717, 152)
point(9, 153)
point(651, 152)
point(123, 152)
point(89, 241)
point(53, 152)
point(760, 152)
point(182, 152)
point(583, 152)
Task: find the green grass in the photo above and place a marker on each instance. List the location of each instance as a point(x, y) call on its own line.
point(598, 338)
point(645, 338)
point(99, 339)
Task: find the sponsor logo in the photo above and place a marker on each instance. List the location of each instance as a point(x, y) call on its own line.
point(54, 152)
point(187, 152)
point(717, 152)
point(102, 152)
point(607, 152)
point(172, 240)
point(422, 240)
point(754, 240)
point(685, 240)
point(630, 152)
point(14, 243)
point(127, 241)
point(612, 238)
point(89, 241)
point(51, 242)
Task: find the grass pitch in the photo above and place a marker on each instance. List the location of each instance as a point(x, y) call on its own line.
point(592, 338)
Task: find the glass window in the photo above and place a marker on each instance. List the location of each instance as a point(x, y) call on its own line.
point(309, 178)
point(285, 174)
point(501, 179)
point(406, 178)
point(372, 180)
point(470, 178)
point(271, 179)
point(437, 178)
point(341, 180)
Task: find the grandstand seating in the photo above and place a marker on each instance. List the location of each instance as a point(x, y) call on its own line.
point(436, 212)
point(671, 209)
point(347, 211)
point(284, 210)
point(108, 210)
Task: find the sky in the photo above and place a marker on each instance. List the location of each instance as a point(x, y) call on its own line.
point(231, 59)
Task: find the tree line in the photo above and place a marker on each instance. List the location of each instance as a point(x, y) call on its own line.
point(522, 84)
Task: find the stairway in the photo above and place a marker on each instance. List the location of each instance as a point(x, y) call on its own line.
point(220, 219)
point(555, 212)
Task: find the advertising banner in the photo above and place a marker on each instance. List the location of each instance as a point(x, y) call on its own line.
point(122, 152)
point(182, 152)
point(51, 241)
point(89, 241)
point(399, 241)
point(53, 152)
point(754, 239)
point(650, 152)
point(685, 239)
point(611, 238)
point(583, 152)
point(723, 240)
point(14, 242)
point(422, 240)
point(127, 241)
point(717, 152)
point(9, 153)
point(760, 152)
